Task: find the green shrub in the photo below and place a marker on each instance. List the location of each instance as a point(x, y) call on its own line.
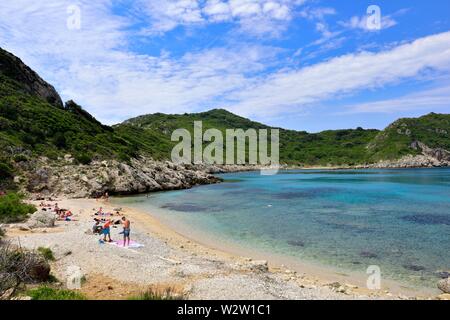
point(20, 158)
point(83, 158)
point(47, 253)
point(13, 209)
point(6, 171)
point(48, 293)
point(152, 294)
point(51, 154)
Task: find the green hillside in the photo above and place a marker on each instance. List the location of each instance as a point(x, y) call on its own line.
point(33, 122)
point(395, 141)
point(300, 148)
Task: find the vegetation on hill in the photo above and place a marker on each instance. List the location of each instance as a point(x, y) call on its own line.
point(299, 148)
point(395, 141)
point(33, 123)
point(13, 209)
point(30, 124)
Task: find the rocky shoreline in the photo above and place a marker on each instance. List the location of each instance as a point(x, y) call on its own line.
point(46, 178)
point(42, 177)
point(195, 270)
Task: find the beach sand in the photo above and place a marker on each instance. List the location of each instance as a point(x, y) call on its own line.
point(168, 259)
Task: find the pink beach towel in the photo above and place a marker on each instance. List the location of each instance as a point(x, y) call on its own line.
point(133, 244)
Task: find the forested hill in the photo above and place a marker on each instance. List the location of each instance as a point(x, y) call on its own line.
point(35, 122)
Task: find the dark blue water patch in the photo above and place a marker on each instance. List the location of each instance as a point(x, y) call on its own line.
point(414, 267)
point(227, 185)
point(368, 254)
point(305, 193)
point(442, 274)
point(296, 243)
point(348, 227)
point(428, 219)
point(246, 192)
point(185, 207)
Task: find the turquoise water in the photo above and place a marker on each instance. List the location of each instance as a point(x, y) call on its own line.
point(396, 219)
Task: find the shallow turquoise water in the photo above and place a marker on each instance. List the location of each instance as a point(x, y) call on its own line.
point(397, 219)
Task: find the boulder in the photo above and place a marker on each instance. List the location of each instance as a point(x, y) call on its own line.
point(42, 219)
point(444, 285)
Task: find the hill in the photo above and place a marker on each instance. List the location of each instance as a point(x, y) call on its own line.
point(332, 147)
point(35, 123)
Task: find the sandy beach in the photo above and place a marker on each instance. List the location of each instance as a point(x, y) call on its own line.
point(168, 259)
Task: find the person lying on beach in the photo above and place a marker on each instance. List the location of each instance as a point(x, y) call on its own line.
point(107, 231)
point(126, 230)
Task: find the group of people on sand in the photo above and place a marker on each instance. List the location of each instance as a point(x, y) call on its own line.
point(102, 226)
point(62, 214)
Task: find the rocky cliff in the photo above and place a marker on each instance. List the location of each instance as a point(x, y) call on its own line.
point(13, 68)
point(429, 158)
point(65, 178)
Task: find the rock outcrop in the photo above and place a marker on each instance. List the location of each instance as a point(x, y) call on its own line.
point(12, 67)
point(42, 219)
point(438, 153)
point(429, 158)
point(444, 285)
point(142, 175)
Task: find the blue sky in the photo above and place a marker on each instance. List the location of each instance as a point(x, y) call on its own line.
point(300, 64)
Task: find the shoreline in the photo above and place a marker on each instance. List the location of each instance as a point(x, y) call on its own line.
point(197, 268)
point(311, 272)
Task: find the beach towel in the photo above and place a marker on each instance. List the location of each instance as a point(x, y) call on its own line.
point(133, 244)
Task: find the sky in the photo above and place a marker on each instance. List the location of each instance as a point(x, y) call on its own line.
point(300, 64)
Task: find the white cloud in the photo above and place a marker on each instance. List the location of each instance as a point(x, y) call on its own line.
point(427, 100)
point(284, 91)
point(166, 15)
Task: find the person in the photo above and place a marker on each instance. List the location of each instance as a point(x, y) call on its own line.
point(126, 231)
point(107, 230)
point(97, 228)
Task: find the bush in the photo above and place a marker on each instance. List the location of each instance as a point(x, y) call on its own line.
point(12, 209)
point(48, 293)
point(6, 171)
point(153, 294)
point(47, 253)
point(20, 158)
point(83, 158)
point(18, 267)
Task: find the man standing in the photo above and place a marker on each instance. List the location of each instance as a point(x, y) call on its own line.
point(126, 231)
point(107, 231)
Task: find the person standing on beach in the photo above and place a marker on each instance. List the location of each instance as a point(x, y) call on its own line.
point(107, 230)
point(126, 231)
